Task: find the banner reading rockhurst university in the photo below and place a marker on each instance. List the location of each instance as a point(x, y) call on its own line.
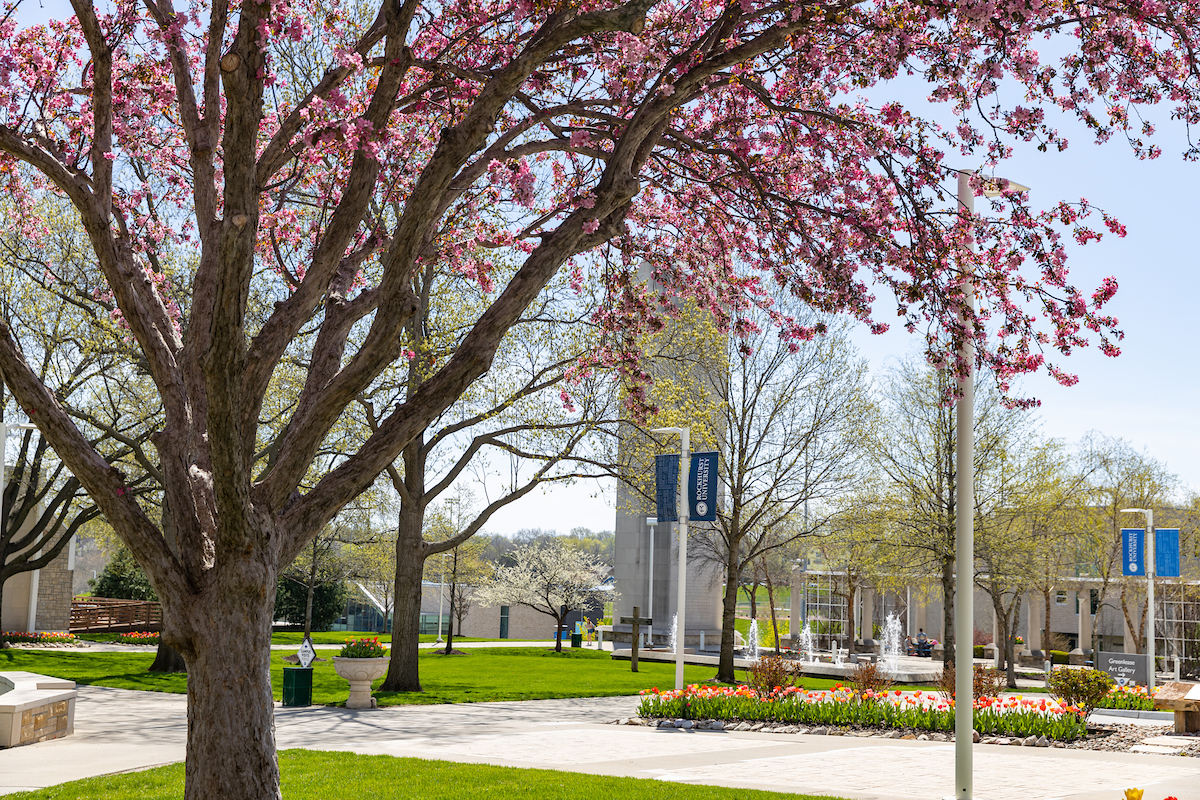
point(1166, 552)
point(702, 487)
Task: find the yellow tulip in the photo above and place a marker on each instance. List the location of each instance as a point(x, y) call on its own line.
point(1133, 794)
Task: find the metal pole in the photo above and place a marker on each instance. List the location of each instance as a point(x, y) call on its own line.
point(684, 469)
point(1151, 569)
point(650, 589)
point(964, 531)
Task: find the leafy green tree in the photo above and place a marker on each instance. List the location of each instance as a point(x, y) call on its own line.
point(122, 579)
point(316, 608)
point(914, 451)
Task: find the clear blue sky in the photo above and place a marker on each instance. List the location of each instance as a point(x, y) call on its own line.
point(1144, 396)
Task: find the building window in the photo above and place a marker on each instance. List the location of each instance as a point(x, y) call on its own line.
point(1060, 597)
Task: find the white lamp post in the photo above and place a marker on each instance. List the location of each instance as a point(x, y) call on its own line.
point(652, 522)
point(964, 517)
point(1151, 569)
point(684, 463)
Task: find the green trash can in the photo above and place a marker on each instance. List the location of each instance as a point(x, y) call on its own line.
point(576, 640)
point(297, 686)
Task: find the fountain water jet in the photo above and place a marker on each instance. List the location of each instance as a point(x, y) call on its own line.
point(890, 655)
point(752, 640)
point(808, 645)
point(673, 641)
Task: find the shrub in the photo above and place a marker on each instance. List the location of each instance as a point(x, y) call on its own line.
point(1083, 688)
point(1059, 657)
point(987, 682)
point(772, 672)
point(868, 677)
point(978, 651)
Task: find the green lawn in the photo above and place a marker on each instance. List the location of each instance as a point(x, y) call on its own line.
point(318, 637)
point(484, 674)
point(338, 637)
point(316, 775)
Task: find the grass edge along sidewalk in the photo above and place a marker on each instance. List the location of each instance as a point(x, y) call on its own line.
point(481, 675)
point(325, 775)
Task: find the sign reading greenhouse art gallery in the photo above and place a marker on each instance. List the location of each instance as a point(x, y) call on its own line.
point(1127, 669)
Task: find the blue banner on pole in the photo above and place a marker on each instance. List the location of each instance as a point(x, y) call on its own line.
point(1133, 542)
point(1166, 552)
point(666, 487)
point(702, 487)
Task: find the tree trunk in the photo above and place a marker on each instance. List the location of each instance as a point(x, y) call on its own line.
point(558, 632)
point(948, 588)
point(3, 642)
point(771, 601)
point(1139, 641)
point(308, 601)
point(733, 577)
point(1010, 644)
point(403, 670)
point(231, 722)
point(168, 659)
point(450, 628)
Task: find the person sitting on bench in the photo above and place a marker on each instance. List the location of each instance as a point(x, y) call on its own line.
point(923, 647)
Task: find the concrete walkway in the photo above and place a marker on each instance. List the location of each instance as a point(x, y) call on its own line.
point(119, 730)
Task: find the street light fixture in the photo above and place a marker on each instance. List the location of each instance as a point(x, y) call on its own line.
point(684, 462)
point(1151, 569)
point(964, 521)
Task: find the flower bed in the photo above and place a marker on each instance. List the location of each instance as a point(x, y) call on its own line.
point(138, 637)
point(1134, 698)
point(26, 637)
point(844, 707)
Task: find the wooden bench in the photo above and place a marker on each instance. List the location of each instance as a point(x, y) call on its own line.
point(1184, 700)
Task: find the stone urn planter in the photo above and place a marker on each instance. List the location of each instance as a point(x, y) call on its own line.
point(360, 672)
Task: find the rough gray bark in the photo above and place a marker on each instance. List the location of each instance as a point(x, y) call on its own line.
point(168, 659)
point(948, 588)
point(230, 704)
point(733, 574)
point(403, 673)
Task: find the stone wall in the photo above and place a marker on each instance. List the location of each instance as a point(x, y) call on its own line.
point(54, 594)
point(51, 721)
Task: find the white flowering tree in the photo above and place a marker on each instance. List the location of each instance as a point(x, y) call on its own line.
point(550, 578)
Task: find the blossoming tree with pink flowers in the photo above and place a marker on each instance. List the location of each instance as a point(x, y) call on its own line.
point(309, 161)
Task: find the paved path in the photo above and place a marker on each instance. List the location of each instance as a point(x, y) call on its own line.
point(118, 730)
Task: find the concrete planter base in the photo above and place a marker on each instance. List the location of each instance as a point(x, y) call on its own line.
point(35, 708)
point(360, 672)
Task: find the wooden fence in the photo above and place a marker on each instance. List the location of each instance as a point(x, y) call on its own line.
point(107, 614)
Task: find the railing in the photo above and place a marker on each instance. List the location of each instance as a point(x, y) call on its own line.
point(108, 614)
